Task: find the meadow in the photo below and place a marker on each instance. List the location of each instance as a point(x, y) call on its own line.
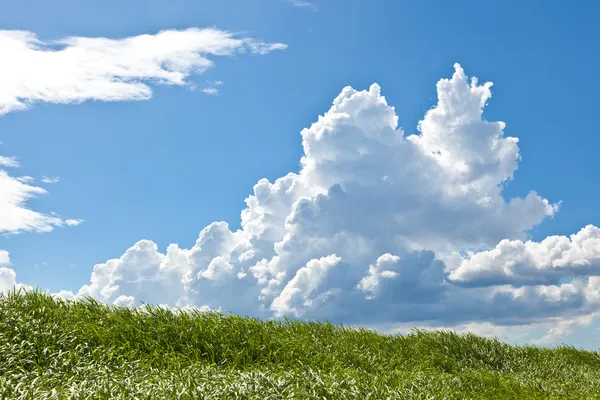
point(56, 349)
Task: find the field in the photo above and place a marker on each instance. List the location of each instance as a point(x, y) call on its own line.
point(50, 348)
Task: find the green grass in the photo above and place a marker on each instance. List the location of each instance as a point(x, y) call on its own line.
point(50, 348)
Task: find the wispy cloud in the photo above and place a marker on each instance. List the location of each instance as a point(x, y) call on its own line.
point(77, 69)
point(212, 88)
point(211, 91)
point(25, 179)
point(50, 179)
point(302, 4)
point(15, 216)
point(8, 162)
point(74, 222)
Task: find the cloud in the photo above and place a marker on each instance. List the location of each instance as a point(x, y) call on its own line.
point(565, 326)
point(532, 263)
point(296, 295)
point(507, 333)
point(77, 69)
point(47, 179)
point(8, 162)
point(212, 88)
point(15, 192)
point(212, 91)
point(25, 179)
point(4, 258)
point(370, 283)
point(73, 222)
point(302, 4)
point(7, 280)
point(378, 228)
point(15, 216)
point(8, 277)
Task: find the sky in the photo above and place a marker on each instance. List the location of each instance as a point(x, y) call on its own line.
point(389, 164)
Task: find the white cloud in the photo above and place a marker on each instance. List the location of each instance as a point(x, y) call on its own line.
point(8, 162)
point(73, 222)
point(508, 333)
point(212, 88)
point(15, 216)
point(4, 258)
point(8, 276)
point(218, 269)
point(370, 283)
point(565, 326)
point(124, 301)
point(212, 91)
point(303, 4)
point(50, 179)
point(296, 295)
point(77, 69)
point(25, 179)
point(532, 263)
point(373, 230)
point(7, 279)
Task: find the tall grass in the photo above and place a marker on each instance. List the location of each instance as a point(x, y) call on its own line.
point(51, 348)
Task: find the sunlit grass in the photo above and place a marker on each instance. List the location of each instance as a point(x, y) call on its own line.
point(51, 348)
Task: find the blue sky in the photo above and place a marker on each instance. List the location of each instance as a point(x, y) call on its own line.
point(165, 168)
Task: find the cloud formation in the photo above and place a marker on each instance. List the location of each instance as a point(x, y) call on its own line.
point(50, 179)
point(4, 258)
point(15, 216)
point(531, 263)
point(212, 88)
point(303, 4)
point(77, 69)
point(376, 228)
point(10, 162)
point(15, 191)
point(380, 228)
point(8, 277)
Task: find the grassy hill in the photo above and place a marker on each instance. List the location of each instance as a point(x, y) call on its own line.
point(50, 348)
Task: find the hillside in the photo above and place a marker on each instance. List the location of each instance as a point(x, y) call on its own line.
point(50, 348)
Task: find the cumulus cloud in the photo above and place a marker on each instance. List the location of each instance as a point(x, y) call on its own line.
point(298, 293)
point(370, 283)
point(77, 69)
point(4, 258)
point(8, 277)
point(379, 228)
point(532, 263)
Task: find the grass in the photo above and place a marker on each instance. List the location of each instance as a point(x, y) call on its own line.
point(56, 349)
